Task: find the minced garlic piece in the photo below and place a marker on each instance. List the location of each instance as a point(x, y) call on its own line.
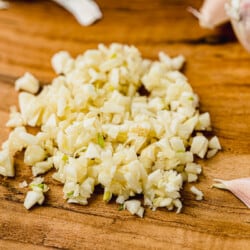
point(197, 192)
point(27, 83)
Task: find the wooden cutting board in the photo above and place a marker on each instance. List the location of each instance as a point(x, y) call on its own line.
point(218, 69)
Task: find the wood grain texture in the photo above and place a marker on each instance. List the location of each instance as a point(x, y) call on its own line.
point(218, 69)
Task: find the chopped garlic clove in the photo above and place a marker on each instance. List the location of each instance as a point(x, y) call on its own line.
point(211, 153)
point(6, 163)
point(204, 122)
point(239, 187)
point(214, 143)
point(172, 63)
point(140, 212)
point(15, 119)
point(197, 192)
point(193, 168)
point(93, 151)
point(30, 109)
point(37, 194)
point(177, 144)
point(62, 62)
point(134, 207)
point(32, 198)
point(34, 154)
point(27, 83)
point(199, 145)
point(42, 167)
point(192, 177)
point(178, 205)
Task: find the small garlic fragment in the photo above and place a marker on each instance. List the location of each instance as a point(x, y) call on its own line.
point(32, 198)
point(214, 143)
point(42, 167)
point(36, 195)
point(199, 145)
point(211, 153)
point(34, 154)
point(239, 187)
point(192, 177)
point(197, 192)
point(27, 83)
point(134, 207)
point(62, 62)
point(6, 163)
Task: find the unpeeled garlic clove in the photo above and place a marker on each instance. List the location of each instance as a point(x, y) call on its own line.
point(239, 187)
point(4, 5)
point(211, 14)
point(239, 13)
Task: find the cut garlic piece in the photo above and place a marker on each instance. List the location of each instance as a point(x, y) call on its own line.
point(199, 145)
point(85, 11)
point(27, 83)
point(34, 154)
point(134, 207)
point(238, 11)
point(214, 143)
point(197, 192)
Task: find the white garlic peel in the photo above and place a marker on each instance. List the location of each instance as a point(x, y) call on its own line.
point(96, 128)
point(211, 14)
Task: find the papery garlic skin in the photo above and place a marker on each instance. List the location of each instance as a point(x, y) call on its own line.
point(211, 14)
point(239, 187)
point(239, 13)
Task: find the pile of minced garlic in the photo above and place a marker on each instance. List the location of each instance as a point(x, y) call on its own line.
point(114, 119)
